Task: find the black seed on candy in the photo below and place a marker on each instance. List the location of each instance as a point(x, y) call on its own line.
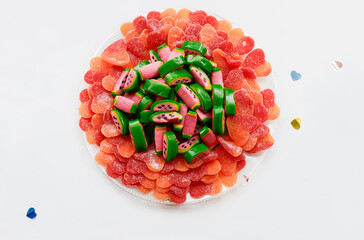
point(159, 117)
point(163, 115)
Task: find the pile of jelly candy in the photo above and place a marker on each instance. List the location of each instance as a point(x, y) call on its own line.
point(175, 105)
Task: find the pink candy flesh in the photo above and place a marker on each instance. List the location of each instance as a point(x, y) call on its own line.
point(210, 139)
point(124, 104)
point(173, 119)
point(199, 79)
point(216, 78)
point(153, 58)
point(189, 125)
point(133, 97)
point(201, 115)
point(183, 111)
point(130, 78)
point(174, 54)
point(164, 53)
point(114, 118)
point(118, 88)
point(164, 142)
point(151, 70)
point(161, 80)
point(158, 137)
point(185, 95)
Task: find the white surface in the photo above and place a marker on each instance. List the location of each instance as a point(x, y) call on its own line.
point(310, 188)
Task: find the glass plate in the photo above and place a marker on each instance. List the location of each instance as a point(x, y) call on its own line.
point(252, 160)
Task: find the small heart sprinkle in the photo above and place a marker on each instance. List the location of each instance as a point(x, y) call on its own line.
point(336, 65)
point(295, 75)
point(246, 178)
point(31, 213)
point(296, 123)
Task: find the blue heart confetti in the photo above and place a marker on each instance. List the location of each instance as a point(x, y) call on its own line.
point(31, 213)
point(295, 75)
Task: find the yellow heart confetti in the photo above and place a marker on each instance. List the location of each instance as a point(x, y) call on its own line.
point(296, 123)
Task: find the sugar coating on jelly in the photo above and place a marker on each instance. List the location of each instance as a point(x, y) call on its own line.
point(156, 86)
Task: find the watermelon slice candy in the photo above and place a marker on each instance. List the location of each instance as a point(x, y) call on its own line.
point(175, 104)
point(165, 105)
point(166, 117)
point(188, 96)
point(185, 146)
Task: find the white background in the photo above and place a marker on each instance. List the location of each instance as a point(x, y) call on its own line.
point(311, 187)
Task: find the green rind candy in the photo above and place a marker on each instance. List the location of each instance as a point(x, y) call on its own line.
point(189, 59)
point(140, 94)
point(149, 133)
point(141, 64)
point(202, 94)
point(230, 108)
point(145, 103)
point(173, 95)
point(121, 121)
point(188, 96)
point(137, 135)
point(216, 69)
point(159, 130)
point(217, 95)
point(218, 120)
point(143, 91)
point(133, 107)
point(187, 145)
point(195, 152)
point(189, 124)
point(165, 105)
point(144, 116)
point(178, 126)
point(208, 137)
point(171, 65)
point(157, 88)
point(162, 46)
point(200, 77)
point(203, 131)
point(200, 62)
point(214, 65)
point(120, 85)
point(154, 57)
point(177, 76)
point(166, 117)
point(205, 118)
point(170, 146)
point(135, 83)
point(193, 47)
